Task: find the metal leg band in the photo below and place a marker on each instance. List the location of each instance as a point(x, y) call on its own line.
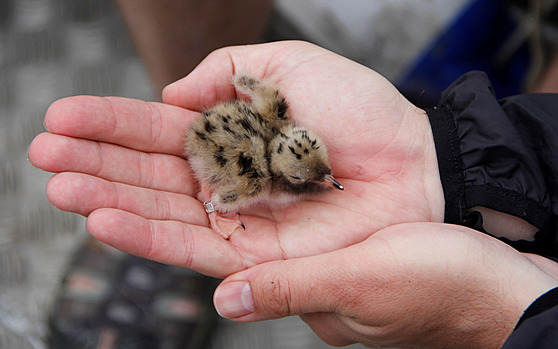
point(208, 207)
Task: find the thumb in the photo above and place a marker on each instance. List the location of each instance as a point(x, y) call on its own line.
point(289, 287)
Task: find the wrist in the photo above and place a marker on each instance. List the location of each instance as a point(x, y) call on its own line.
point(521, 289)
point(432, 183)
point(490, 316)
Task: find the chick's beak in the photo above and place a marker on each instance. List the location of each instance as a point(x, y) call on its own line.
point(331, 182)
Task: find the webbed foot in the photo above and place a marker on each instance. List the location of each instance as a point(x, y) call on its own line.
point(223, 223)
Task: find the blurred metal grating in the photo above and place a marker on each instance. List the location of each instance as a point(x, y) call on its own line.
point(34, 46)
point(41, 220)
point(8, 181)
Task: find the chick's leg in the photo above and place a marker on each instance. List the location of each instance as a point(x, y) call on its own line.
point(222, 223)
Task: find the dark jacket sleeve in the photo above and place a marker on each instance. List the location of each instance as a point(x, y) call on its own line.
point(500, 154)
point(538, 327)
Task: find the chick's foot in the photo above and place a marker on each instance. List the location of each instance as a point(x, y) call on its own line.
point(225, 224)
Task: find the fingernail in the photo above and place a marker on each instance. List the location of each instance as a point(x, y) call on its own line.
point(234, 299)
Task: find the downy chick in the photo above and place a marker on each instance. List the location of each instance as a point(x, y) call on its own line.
point(247, 153)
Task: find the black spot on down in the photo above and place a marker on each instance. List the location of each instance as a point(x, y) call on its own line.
point(248, 127)
point(282, 109)
point(245, 164)
point(220, 158)
point(200, 135)
point(208, 126)
point(298, 156)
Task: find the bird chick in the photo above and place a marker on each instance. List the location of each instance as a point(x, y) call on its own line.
point(247, 153)
point(299, 165)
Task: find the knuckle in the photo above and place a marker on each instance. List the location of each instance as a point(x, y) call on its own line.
point(275, 296)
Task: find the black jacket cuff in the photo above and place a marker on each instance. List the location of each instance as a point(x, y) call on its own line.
point(538, 327)
point(500, 154)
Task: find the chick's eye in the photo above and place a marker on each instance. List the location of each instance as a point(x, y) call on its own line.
point(296, 178)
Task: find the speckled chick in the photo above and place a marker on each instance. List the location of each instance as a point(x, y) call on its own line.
point(246, 153)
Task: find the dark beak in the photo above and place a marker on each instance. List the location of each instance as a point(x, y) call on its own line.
point(331, 182)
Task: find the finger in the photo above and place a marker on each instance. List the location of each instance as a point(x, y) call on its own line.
point(211, 81)
point(208, 84)
point(169, 242)
point(57, 153)
point(80, 193)
point(321, 283)
point(152, 127)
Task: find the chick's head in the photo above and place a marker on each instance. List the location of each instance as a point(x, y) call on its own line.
point(300, 157)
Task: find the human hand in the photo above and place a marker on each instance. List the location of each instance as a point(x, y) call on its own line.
point(120, 163)
point(426, 285)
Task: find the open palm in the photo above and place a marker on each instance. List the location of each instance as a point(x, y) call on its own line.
point(120, 162)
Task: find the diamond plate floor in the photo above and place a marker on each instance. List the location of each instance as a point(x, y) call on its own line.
point(48, 50)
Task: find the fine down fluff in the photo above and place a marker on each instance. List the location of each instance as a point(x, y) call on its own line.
point(249, 152)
